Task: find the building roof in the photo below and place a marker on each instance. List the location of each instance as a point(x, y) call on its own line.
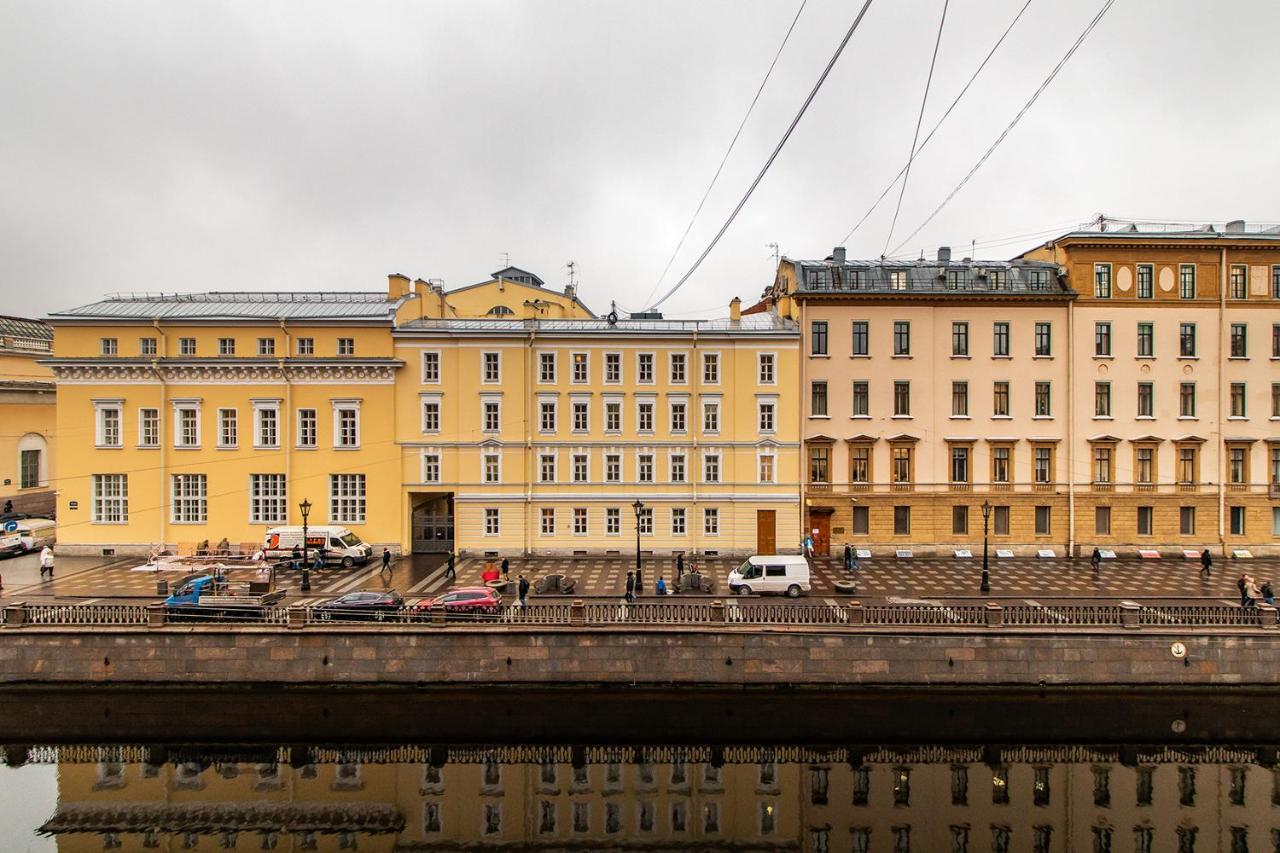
point(24, 327)
point(216, 305)
point(952, 278)
point(755, 324)
point(1129, 229)
point(515, 275)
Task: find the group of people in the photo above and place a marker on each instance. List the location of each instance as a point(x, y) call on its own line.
point(1250, 592)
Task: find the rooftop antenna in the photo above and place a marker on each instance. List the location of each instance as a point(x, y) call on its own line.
point(506, 259)
point(572, 267)
point(776, 253)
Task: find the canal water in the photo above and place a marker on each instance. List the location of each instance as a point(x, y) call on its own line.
point(693, 783)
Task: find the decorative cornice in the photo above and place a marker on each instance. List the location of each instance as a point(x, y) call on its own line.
point(223, 374)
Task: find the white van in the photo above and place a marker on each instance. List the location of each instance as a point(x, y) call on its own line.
point(787, 574)
point(37, 532)
point(340, 544)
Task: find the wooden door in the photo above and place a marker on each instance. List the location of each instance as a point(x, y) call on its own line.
point(820, 530)
point(766, 531)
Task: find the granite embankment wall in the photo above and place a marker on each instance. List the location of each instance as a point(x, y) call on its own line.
point(474, 656)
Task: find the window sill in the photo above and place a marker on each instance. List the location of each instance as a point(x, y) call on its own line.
point(901, 418)
point(1002, 357)
point(960, 417)
point(1237, 418)
point(1042, 417)
point(819, 417)
point(1144, 358)
point(1188, 418)
point(1002, 417)
point(860, 355)
point(901, 355)
point(860, 417)
point(955, 357)
point(1237, 358)
point(1042, 358)
point(819, 355)
point(1145, 418)
point(1103, 418)
point(1188, 358)
point(1097, 357)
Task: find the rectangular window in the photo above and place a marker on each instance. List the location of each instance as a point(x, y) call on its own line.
point(1000, 400)
point(307, 428)
point(901, 458)
point(1102, 281)
point(1187, 340)
point(431, 467)
point(110, 498)
point(959, 464)
point(1044, 518)
point(612, 521)
point(1102, 339)
point(1000, 521)
point(644, 368)
point(1237, 520)
point(767, 417)
point(1102, 399)
point(959, 520)
point(548, 525)
point(1187, 281)
point(491, 522)
point(1275, 282)
point(711, 368)
point(613, 367)
point(346, 498)
point(186, 346)
point(580, 521)
point(1044, 339)
point(1238, 409)
point(491, 421)
point(1043, 464)
point(677, 468)
point(147, 346)
point(677, 521)
point(190, 499)
point(1275, 399)
point(430, 367)
point(1044, 401)
point(346, 346)
point(818, 400)
point(710, 416)
point(860, 464)
point(108, 427)
point(1146, 340)
point(902, 521)
point(580, 471)
point(348, 427)
point(266, 346)
point(188, 427)
point(581, 416)
point(1102, 521)
point(1239, 281)
point(998, 279)
point(644, 468)
point(901, 337)
point(1239, 340)
point(861, 338)
point(1146, 281)
point(547, 416)
point(711, 521)
point(1146, 400)
point(228, 428)
point(818, 337)
point(765, 363)
point(148, 427)
point(1144, 466)
point(306, 346)
point(1237, 466)
point(861, 521)
point(547, 468)
point(644, 417)
point(267, 433)
point(547, 367)
point(645, 521)
point(581, 371)
point(960, 399)
point(902, 399)
point(268, 502)
point(1275, 465)
point(897, 279)
point(819, 465)
point(711, 468)
point(1188, 465)
point(1102, 464)
point(861, 400)
point(1000, 464)
point(109, 346)
point(1187, 400)
point(678, 372)
point(1000, 339)
point(765, 468)
point(1146, 515)
point(492, 466)
point(613, 417)
point(491, 371)
point(960, 339)
point(612, 468)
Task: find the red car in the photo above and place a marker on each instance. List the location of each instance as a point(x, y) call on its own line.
point(464, 601)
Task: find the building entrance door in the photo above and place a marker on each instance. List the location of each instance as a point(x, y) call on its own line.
point(432, 524)
point(766, 531)
point(820, 530)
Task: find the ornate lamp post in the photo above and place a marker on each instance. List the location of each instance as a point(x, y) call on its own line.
point(638, 506)
point(305, 509)
point(986, 566)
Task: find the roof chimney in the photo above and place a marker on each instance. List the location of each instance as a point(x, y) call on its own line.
point(397, 285)
point(944, 254)
point(735, 308)
point(1235, 226)
point(571, 291)
point(837, 254)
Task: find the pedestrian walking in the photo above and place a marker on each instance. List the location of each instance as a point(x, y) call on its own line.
point(386, 560)
point(1096, 559)
point(1268, 594)
point(679, 569)
point(808, 546)
point(848, 558)
point(1206, 563)
point(1251, 593)
point(522, 587)
point(8, 507)
point(318, 563)
point(506, 568)
point(449, 568)
point(631, 586)
point(639, 582)
point(296, 556)
point(661, 588)
point(46, 562)
point(1241, 585)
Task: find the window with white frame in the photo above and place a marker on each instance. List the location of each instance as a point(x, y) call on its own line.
point(1102, 281)
point(678, 363)
point(267, 430)
point(677, 468)
point(765, 361)
point(226, 346)
point(186, 427)
point(613, 416)
point(491, 420)
point(711, 521)
point(346, 346)
point(547, 416)
point(346, 424)
point(491, 522)
point(613, 367)
point(186, 346)
point(679, 422)
point(430, 466)
point(581, 368)
point(579, 521)
point(548, 521)
point(711, 416)
point(547, 367)
point(612, 521)
point(581, 416)
point(612, 468)
point(766, 467)
point(491, 464)
point(711, 468)
point(107, 417)
point(109, 346)
point(678, 521)
point(430, 368)
point(711, 368)
point(347, 498)
point(767, 416)
point(228, 428)
point(266, 346)
point(491, 372)
point(644, 368)
point(306, 346)
point(644, 468)
point(645, 521)
point(190, 499)
point(644, 416)
point(148, 427)
point(307, 432)
point(581, 469)
point(430, 414)
point(147, 346)
point(547, 468)
point(268, 501)
point(110, 498)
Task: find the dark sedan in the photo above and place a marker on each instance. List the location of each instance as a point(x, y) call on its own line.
point(378, 606)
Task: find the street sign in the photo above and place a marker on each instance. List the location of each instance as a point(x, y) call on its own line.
point(863, 553)
point(903, 554)
point(11, 526)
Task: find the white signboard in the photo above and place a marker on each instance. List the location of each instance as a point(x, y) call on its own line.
point(1046, 554)
point(1190, 554)
point(1003, 554)
point(1148, 554)
point(964, 554)
point(903, 554)
point(1107, 554)
point(863, 553)
point(1242, 554)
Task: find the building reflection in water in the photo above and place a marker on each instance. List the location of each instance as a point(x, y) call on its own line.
point(873, 800)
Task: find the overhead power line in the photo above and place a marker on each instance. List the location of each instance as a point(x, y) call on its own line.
point(728, 151)
point(776, 151)
point(972, 77)
point(911, 155)
point(1027, 106)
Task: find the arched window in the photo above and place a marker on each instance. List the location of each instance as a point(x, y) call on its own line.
point(33, 461)
point(500, 311)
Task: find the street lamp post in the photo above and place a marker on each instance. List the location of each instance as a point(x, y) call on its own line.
point(305, 509)
point(638, 506)
point(986, 566)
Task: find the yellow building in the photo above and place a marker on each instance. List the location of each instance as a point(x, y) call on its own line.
point(27, 406)
point(499, 417)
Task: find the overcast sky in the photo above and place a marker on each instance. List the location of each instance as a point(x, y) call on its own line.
point(256, 146)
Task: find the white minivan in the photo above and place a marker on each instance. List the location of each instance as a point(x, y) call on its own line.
point(340, 544)
point(786, 574)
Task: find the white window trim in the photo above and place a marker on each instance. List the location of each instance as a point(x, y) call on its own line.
point(422, 363)
point(142, 431)
point(575, 452)
point(364, 519)
point(761, 453)
point(297, 425)
point(573, 521)
point(1111, 282)
point(671, 359)
point(485, 354)
point(672, 402)
point(484, 520)
point(759, 364)
point(422, 464)
point(423, 399)
point(607, 531)
point(573, 355)
point(604, 414)
point(717, 401)
point(671, 460)
point(484, 453)
point(555, 367)
point(652, 401)
point(496, 400)
point(717, 452)
point(772, 400)
point(576, 400)
point(179, 406)
point(554, 454)
point(260, 406)
point(283, 518)
point(123, 500)
point(604, 464)
point(99, 406)
point(653, 368)
point(546, 400)
point(604, 369)
point(709, 512)
point(719, 367)
point(647, 451)
point(543, 513)
point(338, 405)
point(173, 499)
point(684, 521)
point(311, 347)
point(219, 443)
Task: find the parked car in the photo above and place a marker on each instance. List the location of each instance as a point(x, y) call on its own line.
point(787, 574)
point(467, 601)
point(340, 545)
point(361, 605)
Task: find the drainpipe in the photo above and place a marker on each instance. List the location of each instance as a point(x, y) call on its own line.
point(693, 466)
point(162, 417)
point(285, 427)
point(1219, 449)
point(1071, 429)
point(804, 457)
point(528, 437)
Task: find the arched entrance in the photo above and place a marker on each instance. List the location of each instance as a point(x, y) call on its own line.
point(432, 524)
